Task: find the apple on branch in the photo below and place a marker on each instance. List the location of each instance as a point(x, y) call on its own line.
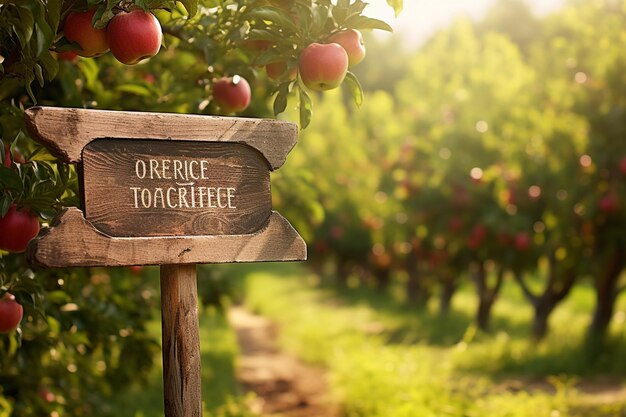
point(232, 94)
point(323, 66)
point(79, 29)
point(11, 313)
point(352, 41)
point(17, 228)
point(134, 36)
point(523, 241)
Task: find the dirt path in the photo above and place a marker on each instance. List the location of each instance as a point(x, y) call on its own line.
point(284, 386)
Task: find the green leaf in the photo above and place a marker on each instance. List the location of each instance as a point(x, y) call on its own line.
point(364, 22)
point(29, 90)
point(104, 14)
point(5, 203)
point(355, 88)
point(321, 16)
point(43, 32)
point(54, 13)
point(24, 27)
point(274, 15)
point(39, 74)
point(191, 6)
point(306, 109)
point(280, 102)
point(268, 57)
point(136, 89)
point(397, 5)
point(10, 179)
point(266, 35)
point(50, 65)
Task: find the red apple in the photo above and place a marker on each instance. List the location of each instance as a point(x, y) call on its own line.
point(608, 204)
point(78, 28)
point(134, 36)
point(232, 94)
point(149, 78)
point(352, 41)
point(17, 228)
point(46, 395)
point(278, 71)
point(11, 313)
point(523, 241)
point(337, 232)
point(323, 66)
point(477, 236)
point(321, 246)
point(622, 166)
point(67, 56)
point(455, 224)
point(136, 269)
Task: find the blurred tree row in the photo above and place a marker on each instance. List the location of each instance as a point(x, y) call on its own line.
point(499, 153)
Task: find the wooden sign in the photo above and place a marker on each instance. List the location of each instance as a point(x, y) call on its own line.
point(171, 190)
point(166, 189)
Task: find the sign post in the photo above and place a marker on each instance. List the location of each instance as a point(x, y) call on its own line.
point(171, 190)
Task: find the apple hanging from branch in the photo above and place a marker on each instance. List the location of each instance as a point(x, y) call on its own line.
point(134, 36)
point(232, 94)
point(352, 41)
point(79, 29)
point(323, 66)
point(11, 313)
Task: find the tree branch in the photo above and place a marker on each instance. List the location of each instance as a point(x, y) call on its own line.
point(525, 289)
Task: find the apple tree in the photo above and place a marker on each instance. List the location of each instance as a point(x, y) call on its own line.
point(206, 57)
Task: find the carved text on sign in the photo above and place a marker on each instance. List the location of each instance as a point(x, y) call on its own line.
point(165, 188)
point(186, 194)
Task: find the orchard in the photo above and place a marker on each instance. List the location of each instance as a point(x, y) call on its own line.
point(489, 158)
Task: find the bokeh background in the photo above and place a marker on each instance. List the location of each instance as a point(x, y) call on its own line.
point(466, 228)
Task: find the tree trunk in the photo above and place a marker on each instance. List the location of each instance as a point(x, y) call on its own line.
point(606, 293)
point(486, 295)
point(559, 283)
point(448, 288)
point(343, 272)
point(383, 278)
point(540, 319)
point(416, 291)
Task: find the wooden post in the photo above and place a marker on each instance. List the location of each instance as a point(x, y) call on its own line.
point(181, 341)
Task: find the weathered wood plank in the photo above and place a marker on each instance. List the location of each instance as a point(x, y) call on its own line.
point(147, 188)
point(181, 341)
point(72, 241)
point(66, 131)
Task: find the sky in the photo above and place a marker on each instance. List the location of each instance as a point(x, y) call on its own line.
point(421, 18)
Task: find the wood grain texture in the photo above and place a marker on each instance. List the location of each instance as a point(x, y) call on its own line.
point(66, 131)
point(182, 391)
point(155, 188)
point(72, 241)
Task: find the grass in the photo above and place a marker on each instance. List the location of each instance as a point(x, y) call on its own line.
point(221, 395)
point(388, 360)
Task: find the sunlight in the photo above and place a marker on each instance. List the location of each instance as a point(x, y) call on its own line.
point(421, 18)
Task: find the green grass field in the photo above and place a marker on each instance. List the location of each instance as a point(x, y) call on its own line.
point(387, 360)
